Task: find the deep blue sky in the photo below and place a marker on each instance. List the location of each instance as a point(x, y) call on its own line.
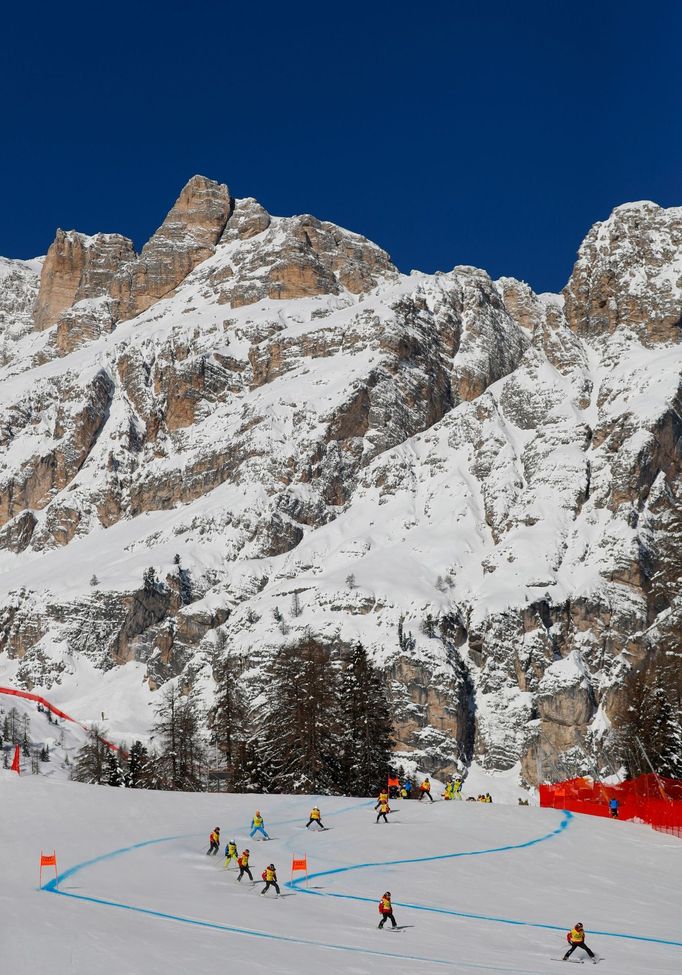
point(451, 133)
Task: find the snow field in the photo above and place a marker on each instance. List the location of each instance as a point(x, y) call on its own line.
point(615, 877)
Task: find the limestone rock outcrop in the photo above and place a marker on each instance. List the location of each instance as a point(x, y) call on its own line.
point(78, 267)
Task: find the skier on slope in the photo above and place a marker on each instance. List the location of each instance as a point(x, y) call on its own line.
point(270, 877)
point(244, 868)
point(382, 797)
point(383, 811)
point(214, 842)
point(576, 939)
point(315, 817)
point(231, 853)
point(257, 826)
point(386, 910)
point(425, 789)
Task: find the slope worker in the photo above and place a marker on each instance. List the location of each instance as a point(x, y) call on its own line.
point(214, 842)
point(576, 939)
point(383, 797)
point(244, 868)
point(386, 910)
point(425, 790)
point(613, 808)
point(231, 853)
point(315, 817)
point(383, 811)
point(457, 789)
point(257, 825)
point(449, 791)
point(270, 877)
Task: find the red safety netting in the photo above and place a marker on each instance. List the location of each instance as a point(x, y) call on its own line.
point(648, 799)
point(28, 696)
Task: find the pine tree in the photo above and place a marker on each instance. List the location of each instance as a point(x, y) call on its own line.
point(112, 770)
point(149, 580)
point(367, 725)
point(181, 760)
point(649, 725)
point(298, 725)
point(139, 773)
point(25, 736)
point(228, 717)
point(90, 764)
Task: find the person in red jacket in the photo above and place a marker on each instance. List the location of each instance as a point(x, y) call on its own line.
point(576, 939)
point(243, 862)
point(214, 842)
point(386, 910)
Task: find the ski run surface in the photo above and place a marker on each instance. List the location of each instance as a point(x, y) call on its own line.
point(476, 888)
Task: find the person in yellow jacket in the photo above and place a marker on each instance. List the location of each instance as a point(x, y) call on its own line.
point(231, 853)
point(315, 817)
point(457, 789)
point(448, 791)
point(383, 797)
point(576, 939)
point(244, 868)
point(384, 810)
point(270, 878)
point(425, 789)
point(386, 910)
point(257, 826)
point(214, 842)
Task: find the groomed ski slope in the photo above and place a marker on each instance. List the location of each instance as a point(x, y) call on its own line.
point(481, 888)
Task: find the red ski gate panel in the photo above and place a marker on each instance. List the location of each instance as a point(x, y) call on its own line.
point(648, 799)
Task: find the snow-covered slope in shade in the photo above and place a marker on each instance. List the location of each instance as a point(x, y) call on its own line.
point(475, 888)
point(495, 472)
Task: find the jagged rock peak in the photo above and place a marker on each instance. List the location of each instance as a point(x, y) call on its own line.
point(629, 275)
point(187, 236)
point(78, 267)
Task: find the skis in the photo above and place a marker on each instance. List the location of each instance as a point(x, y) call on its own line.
point(580, 961)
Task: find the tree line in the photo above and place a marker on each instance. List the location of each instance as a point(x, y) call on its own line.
point(321, 723)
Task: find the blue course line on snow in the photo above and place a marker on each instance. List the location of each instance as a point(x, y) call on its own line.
point(568, 816)
point(52, 888)
point(52, 885)
point(214, 925)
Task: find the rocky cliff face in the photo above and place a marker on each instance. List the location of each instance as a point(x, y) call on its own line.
point(480, 483)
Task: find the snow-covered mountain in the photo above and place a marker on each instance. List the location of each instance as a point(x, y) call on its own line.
point(480, 483)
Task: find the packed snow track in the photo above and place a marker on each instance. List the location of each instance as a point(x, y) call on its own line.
point(475, 887)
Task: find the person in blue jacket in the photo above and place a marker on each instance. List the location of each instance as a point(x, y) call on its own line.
point(613, 808)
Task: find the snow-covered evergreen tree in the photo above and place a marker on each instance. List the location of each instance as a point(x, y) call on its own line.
point(91, 761)
point(139, 772)
point(181, 760)
point(367, 727)
point(114, 774)
point(298, 728)
point(228, 718)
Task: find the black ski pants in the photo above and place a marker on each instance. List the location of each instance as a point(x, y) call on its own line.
point(384, 816)
point(388, 917)
point(311, 821)
point(578, 944)
point(213, 849)
point(425, 793)
point(245, 870)
point(269, 884)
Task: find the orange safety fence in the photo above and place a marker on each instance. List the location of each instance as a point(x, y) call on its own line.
point(29, 696)
point(648, 799)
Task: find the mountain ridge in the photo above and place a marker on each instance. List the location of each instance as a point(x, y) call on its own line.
point(272, 400)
